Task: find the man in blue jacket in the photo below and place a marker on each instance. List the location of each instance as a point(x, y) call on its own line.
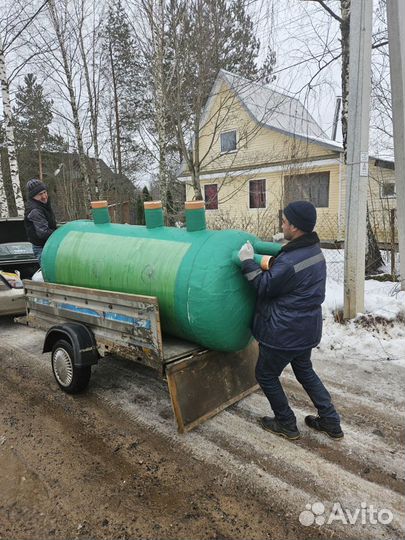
point(288, 322)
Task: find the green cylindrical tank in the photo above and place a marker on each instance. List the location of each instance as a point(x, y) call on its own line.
point(202, 294)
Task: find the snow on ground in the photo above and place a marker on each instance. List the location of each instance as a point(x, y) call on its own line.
point(377, 334)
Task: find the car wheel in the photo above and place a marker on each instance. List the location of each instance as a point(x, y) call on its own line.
point(71, 378)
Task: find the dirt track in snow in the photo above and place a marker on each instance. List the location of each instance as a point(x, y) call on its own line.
point(110, 463)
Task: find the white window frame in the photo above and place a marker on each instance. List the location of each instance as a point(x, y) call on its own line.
point(224, 152)
point(384, 196)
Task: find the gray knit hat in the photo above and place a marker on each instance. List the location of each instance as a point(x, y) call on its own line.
point(34, 187)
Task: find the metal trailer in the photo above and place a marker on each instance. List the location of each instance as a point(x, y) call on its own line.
point(84, 324)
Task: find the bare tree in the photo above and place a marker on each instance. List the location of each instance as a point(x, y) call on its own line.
point(9, 132)
point(156, 52)
point(373, 255)
point(229, 29)
point(117, 117)
point(91, 74)
point(183, 70)
point(3, 197)
point(59, 17)
point(15, 24)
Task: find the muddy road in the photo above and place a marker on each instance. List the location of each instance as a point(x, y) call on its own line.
point(110, 463)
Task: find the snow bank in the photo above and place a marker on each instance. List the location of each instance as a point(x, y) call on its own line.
point(377, 334)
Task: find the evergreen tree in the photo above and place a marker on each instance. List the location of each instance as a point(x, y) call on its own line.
point(124, 70)
point(203, 37)
point(33, 116)
point(228, 29)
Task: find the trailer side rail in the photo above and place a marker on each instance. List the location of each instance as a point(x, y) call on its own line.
point(122, 323)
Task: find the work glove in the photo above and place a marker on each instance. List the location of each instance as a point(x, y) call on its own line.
point(246, 252)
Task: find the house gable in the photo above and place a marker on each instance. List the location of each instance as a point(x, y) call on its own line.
point(248, 186)
point(258, 143)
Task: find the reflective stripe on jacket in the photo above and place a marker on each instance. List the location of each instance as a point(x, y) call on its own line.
point(288, 311)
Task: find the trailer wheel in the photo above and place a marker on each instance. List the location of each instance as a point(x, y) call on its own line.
point(71, 378)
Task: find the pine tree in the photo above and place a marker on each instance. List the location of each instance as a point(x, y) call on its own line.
point(204, 37)
point(228, 29)
point(124, 70)
point(33, 115)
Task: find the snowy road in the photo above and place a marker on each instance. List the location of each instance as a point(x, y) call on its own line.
point(360, 478)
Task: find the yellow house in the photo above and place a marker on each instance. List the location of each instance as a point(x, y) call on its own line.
point(259, 149)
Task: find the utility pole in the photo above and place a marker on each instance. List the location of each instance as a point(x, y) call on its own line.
point(361, 17)
point(396, 39)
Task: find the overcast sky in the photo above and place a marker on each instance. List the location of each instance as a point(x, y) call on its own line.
point(301, 33)
point(304, 38)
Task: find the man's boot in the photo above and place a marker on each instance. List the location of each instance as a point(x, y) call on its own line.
point(321, 424)
point(288, 431)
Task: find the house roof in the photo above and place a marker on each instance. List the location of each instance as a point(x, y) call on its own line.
point(272, 109)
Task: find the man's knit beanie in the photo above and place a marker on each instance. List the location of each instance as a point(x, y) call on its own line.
point(301, 214)
point(34, 187)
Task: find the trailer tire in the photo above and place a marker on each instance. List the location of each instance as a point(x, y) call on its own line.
point(70, 377)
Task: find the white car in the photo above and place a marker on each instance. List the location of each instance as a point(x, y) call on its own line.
point(17, 262)
point(12, 301)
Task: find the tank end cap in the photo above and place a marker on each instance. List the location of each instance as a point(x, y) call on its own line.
point(99, 204)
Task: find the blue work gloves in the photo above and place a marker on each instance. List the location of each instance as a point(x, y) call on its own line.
point(246, 252)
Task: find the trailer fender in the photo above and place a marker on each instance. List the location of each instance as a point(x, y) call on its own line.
point(82, 340)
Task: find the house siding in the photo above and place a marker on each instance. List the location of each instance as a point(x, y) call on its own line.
point(234, 212)
point(255, 144)
point(265, 153)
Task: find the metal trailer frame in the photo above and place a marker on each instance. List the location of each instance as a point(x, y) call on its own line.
point(201, 382)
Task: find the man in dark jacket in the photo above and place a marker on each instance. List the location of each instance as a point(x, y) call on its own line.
point(39, 219)
point(288, 322)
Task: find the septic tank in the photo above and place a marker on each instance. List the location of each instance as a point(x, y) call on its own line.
point(194, 272)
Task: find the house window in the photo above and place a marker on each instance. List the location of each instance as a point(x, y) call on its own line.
point(388, 190)
point(313, 187)
point(257, 194)
point(228, 141)
point(211, 196)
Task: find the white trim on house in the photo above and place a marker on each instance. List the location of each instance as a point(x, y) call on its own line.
point(264, 170)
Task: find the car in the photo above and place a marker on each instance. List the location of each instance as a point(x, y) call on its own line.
point(17, 262)
point(12, 300)
point(18, 256)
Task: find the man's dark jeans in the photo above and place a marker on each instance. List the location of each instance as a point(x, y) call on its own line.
point(37, 252)
point(270, 365)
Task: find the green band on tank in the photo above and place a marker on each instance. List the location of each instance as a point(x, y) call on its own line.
point(195, 219)
point(213, 299)
point(100, 215)
point(154, 218)
point(267, 248)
